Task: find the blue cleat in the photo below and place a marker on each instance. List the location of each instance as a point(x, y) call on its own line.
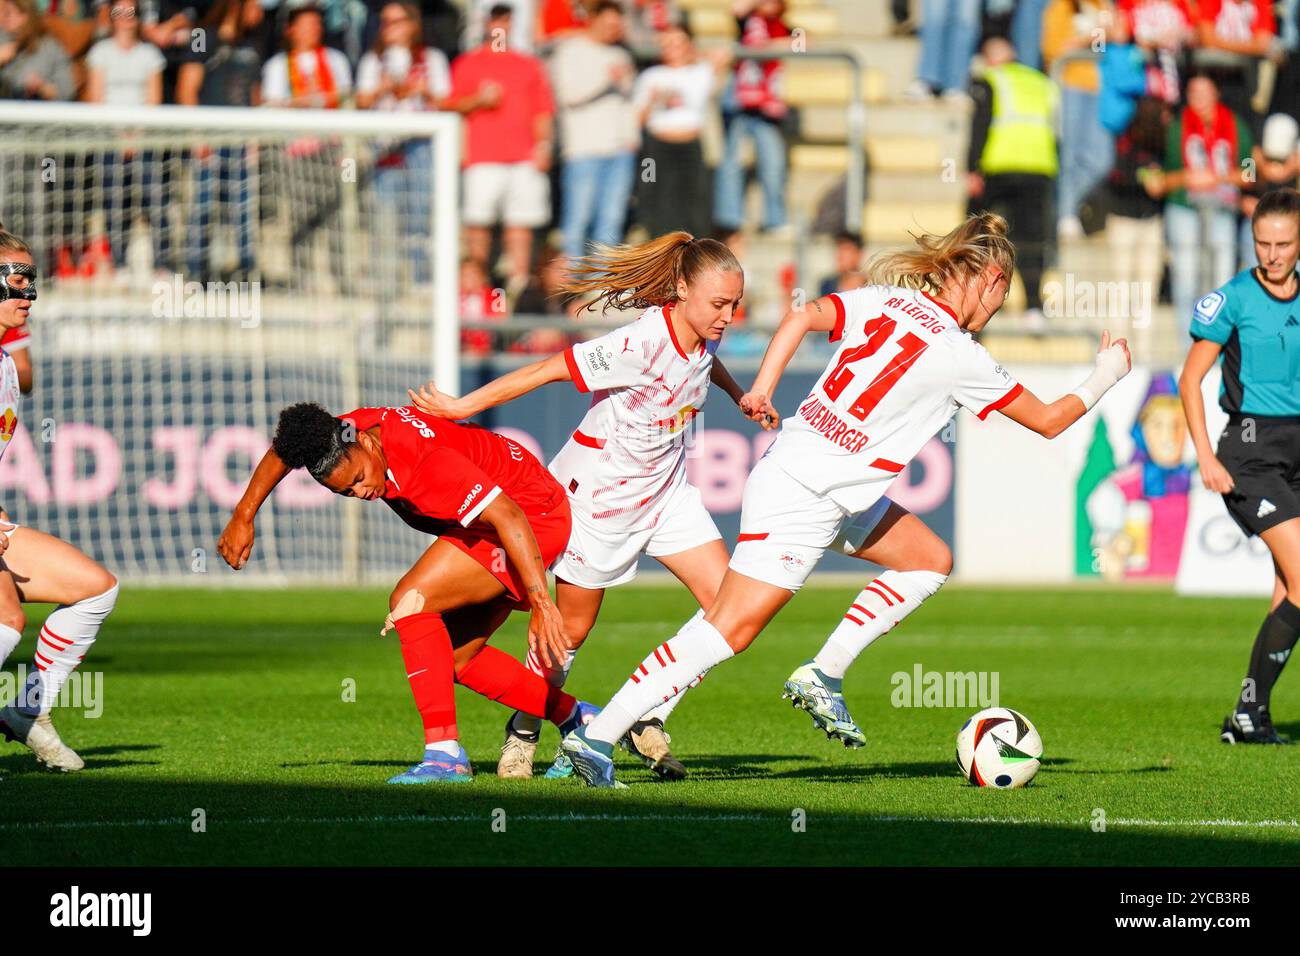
point(438, 767)
point(592, 761)
point(562, 768)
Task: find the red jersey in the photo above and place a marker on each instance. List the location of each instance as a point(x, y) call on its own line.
point(446, 473)
point(1238, 20)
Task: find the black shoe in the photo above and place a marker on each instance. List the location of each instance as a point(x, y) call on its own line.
point(1251, 725)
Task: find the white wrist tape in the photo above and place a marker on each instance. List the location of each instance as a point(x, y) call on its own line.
point(1112, 365)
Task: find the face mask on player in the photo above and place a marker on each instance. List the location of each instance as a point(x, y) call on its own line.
point(9, 290)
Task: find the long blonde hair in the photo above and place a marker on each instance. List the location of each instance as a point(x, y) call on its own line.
point(638, 277)
point(979, 242)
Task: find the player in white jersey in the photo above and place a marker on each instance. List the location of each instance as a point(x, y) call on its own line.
point(37, 568)
point(906, 363)
point(624, 467)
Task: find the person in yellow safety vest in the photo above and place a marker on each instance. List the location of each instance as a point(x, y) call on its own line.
point(1012, 159)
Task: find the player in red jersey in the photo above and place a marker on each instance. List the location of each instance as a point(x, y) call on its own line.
point(500, 518)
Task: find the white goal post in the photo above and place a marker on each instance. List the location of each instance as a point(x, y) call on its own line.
point(201, 268)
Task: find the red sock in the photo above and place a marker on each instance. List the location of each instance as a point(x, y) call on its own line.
point(426, 649)
point(498, 676)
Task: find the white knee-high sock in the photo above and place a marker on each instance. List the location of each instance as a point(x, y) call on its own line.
point(9, 639)
point(67, 635)
point(555, 676)
point(661, 712)
point(668, 670)
point(879, 608)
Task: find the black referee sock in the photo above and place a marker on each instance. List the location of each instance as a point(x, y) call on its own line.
point(1277, 636)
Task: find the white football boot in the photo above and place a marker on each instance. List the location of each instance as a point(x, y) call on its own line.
point(38, 734)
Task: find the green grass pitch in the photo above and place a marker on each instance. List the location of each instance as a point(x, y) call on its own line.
point(232, 703)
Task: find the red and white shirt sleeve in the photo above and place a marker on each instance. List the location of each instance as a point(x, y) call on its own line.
point(980, 383)
point(615, 360)
point(853, 308)
point(16, 338)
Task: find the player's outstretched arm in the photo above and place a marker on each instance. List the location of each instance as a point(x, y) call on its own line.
point(1049, 420)
point(817, 316)
point(1200, 359)
point(545, 627)
point(236, 541)
point(497, 392)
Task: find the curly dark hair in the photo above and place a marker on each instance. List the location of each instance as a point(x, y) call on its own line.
point(307, 436)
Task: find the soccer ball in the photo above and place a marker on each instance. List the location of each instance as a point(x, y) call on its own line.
point(998, 748)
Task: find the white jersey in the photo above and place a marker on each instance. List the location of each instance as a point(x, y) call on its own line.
point(903, 369)
point(629, 453)
point(10, 396)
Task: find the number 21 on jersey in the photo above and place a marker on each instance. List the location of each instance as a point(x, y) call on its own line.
point(879, 332)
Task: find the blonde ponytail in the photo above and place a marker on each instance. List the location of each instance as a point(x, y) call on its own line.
point(981, 241)
point(638, 277)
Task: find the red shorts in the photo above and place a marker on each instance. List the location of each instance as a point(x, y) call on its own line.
point(552, 531)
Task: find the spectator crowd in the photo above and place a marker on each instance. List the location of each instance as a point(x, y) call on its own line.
point(580, 116)
point(1160, 121)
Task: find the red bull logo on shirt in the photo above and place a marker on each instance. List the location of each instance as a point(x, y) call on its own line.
point(7, 424)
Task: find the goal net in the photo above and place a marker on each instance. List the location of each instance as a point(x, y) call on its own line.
point(199, 270)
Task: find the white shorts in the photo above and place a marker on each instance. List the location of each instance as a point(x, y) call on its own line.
point(785, 528)
point(516, 194)
point(598, 558)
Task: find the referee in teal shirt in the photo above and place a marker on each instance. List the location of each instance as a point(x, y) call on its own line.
point(1253, 324)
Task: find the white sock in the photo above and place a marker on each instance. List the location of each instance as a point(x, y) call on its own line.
point(65, 638)
point(668, 670)
point(449, 747)
point(9, 639)
point(527, 723)
point(879, 608)
point(661, 712)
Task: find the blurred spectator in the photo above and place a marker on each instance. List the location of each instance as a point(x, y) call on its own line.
point(441, 21)
point(1133, 228)
point(950, 31)
point(306, 73)
point(401, 73)
point(1086, 147)
point(558, 19)
point(229, 74)
point(1027, 31)
point(1206, 147)
point(33, 65)
point(1164, 29)
point(169, 25)
point(848, 265)
point(1012, 159)
point(124, 70)
point(229, 71)
point(305, 174)
point(520, 35)
point(672, 99)
point(1235, 35)
point(593, 79)
point(479, 303)
point(1286, 84)
point(542, 295)
point(508, 145)
point(1277, 166)
point(646, 19)
point(753, 109)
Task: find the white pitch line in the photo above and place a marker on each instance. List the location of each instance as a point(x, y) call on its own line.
point(218, 821)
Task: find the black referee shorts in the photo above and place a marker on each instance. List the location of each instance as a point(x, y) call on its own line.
point(1263, 456)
